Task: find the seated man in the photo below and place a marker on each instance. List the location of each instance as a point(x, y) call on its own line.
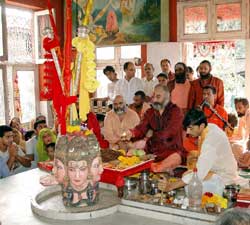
point(165, 120)
point(140, 106)
point(215, 113)
point(216, 162)
point(117, 121)
point(10, 153)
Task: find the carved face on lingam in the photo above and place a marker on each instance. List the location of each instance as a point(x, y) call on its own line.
point(77, 168)
point(59, 169)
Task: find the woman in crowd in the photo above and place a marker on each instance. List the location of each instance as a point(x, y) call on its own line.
point(45, 137)
point(17, 138)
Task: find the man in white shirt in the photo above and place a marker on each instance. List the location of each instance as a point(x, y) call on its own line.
point(109, 71)
point(10, 153)
point(216, 163)
point(129, 85)
point(149, 81)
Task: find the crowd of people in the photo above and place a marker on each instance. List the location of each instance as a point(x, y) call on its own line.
point(170, 115)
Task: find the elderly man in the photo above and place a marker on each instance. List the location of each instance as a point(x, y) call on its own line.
point(165, 120)
point(215, 113)
point(149, 81)
point(206, 78)
point(216, 164)
point(140, 106)
point(130, 84)
point(117, 121)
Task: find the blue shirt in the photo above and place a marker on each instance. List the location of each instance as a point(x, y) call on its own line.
point(4, 170)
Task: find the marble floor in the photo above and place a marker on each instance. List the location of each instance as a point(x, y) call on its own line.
point(17, 191)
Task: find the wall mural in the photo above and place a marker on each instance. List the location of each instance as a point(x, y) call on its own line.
point(120, 21)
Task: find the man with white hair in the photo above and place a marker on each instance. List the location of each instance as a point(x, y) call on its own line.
point(117, 121)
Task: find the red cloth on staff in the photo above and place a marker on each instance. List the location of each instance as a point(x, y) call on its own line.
point(196, 91)
point(93, 125)
point(167, 131)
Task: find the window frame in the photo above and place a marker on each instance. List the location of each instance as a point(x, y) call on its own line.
point(4, 57)
point(29, 67)
point(212, 34)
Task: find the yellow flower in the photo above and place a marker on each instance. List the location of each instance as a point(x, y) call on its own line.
point(71, 129)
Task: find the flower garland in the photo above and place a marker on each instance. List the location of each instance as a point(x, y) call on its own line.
point(215, 199)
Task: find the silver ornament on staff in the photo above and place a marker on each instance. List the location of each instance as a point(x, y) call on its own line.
point(48, 32)
point(82, 32)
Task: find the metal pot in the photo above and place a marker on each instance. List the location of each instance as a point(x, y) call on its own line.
point(154, 187)
point(144, 183)
point(130, 187)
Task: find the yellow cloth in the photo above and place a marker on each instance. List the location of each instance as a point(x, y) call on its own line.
point(88, 82)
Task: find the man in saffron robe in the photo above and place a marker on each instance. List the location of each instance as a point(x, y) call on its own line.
point(206, 78)
point(209, 95)
point(180, 87)
point(165, 120)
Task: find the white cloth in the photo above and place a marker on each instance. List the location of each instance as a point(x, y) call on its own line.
point(128, 88)
point(31, 147)
point(216, 156)
point(148, 86)
point(111, 90)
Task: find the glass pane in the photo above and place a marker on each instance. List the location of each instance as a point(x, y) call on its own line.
point(106, 53)
point(20, 35)
point(195, 20)
point(130, 52)
point(228, 17)
point(1, 33)
point(2, 103)
point(102, 90)
point(27, 95)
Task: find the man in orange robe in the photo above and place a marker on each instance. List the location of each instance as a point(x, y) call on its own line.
point(206, 78)
point(210, 108)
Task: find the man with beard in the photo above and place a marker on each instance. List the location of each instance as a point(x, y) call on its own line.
point(180, 87)
point(165, 120)
point(206, 78)
point(243, 111)
point(140, 106)
point(149, 81)
point(117, 121)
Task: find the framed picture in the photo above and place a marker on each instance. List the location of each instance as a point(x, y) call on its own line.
point(115, 22)
point(41, 21)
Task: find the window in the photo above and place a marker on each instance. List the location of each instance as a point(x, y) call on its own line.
point(105, 53)
point(20, 35)
point(217, 19)
point(17, 72)
point(116, 57)
point(228, 17)
point(195, 19)
point(26, 83)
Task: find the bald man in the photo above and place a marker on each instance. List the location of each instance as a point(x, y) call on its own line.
point(118, 121)
point(165, 120)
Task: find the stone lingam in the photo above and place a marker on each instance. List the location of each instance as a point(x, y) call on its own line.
point(78, 169)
